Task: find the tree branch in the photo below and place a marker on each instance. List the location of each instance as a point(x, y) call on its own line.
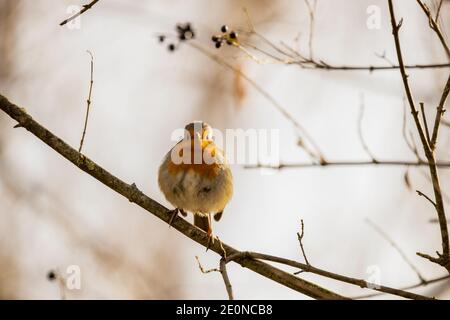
point(134, 195)
point(316, 153)
point(405, 258)
point(443, 259)
point(347, 163)
point(435, 26)
point(85, 8)
point(295, 57)
point(414, 286)
point(439, 113)
point(88, 101)
point(309, 268)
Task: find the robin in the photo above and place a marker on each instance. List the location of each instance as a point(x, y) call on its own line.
point(196, 178)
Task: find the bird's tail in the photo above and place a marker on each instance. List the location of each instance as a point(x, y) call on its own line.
point(202, 222)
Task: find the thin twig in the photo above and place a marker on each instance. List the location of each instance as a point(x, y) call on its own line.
point(445, 122)
point(300, 241)
point(311, 12)
point(385, 58)
point(420, 193)
point(410, 287)
point(226, 280)
point(425, 123)
point(410, 143)
point(360, 132)
point(88, 107)
point(222, 269)
point(438, 11)
point(434, 220)
point(295, 57)
point(371, 68)
point(347, 163)
point(85, 8)
point(439, 113)
point(445, 196)
point(396, 247)
point(202, 269)
point(440, 109)
point(435, 26)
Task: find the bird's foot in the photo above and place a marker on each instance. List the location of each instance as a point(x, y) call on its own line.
point(210, 235)
point(173, 213)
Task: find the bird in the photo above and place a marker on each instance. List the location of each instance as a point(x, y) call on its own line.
point(195, 177)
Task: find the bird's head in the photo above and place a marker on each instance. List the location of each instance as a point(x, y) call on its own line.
point(198, 130)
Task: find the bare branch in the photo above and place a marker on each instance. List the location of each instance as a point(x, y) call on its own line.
point(311, 11)
point(420, 193)
point(354, 281)
point(396, 247)
point(88, 107)
point(435, 26)
point(438, 11)
point(410, 143)
point(439, 113)
point(295, 57)
point(85, 8)
point(444, 259)
point(300, 241)
point(410, 287)
point(347, 163)
point(226, 280)
point(134, 195)
point(202, 269)
point(434, 220)
point(360, 132)
point(316, 153)
point(445, 122)
point(425, 123)
point(223, 271)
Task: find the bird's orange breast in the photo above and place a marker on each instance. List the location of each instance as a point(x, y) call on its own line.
point(206, 169)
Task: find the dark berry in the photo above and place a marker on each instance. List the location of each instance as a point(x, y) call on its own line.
point(224, 28)
point(161, 38)
point(233, 35)
point(215, 38)
point(218, 44)
point(171, 47)
point(229, 42)
point(51, 275)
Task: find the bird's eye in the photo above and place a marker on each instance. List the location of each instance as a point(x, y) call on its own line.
point(209, 136)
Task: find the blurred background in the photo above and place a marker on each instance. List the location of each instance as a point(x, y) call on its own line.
point(53, 216)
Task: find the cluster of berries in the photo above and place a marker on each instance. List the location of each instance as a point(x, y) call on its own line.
point(227, 37)
point(184, 33)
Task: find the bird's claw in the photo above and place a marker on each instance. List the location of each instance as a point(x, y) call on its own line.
point(173, 213)
point(210, 239)
point(183, 213)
